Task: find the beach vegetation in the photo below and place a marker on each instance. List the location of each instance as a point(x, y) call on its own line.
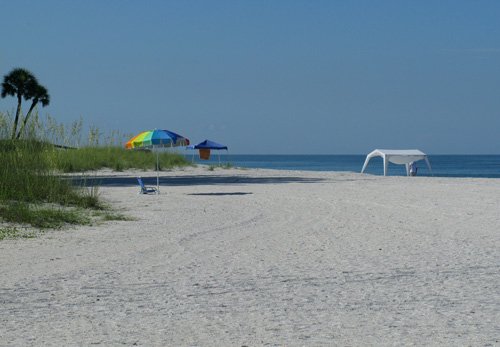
point(22, 84)
point(32, 194)
point(34, 190)
point(227, 165)
point(220, 166)
point(113, 216)
point(11, 232)
point(39, 94)
point(113, 157)
point(39, 216)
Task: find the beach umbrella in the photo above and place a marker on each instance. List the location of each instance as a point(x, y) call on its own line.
point(207, 144)
point(205, 147)
point(158, 138)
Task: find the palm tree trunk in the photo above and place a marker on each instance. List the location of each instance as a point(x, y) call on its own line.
point(33, 104)
point(16, 120)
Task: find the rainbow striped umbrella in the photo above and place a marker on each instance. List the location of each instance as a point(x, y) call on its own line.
point(156, 139)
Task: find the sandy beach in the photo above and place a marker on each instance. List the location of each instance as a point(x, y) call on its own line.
point(261, 257)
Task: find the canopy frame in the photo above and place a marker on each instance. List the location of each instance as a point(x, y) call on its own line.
point(210, 145)
point(405, 157)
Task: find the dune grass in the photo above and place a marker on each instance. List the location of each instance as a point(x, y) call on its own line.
point(112, 157)
point(11, 232)
point(33, 191)
point(226, 166)
point(27, 175)
point(42, 217)
point(30, 192)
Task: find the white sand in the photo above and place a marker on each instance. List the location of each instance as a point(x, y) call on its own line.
point(260, 257)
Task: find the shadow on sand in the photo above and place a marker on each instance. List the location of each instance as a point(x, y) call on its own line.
point(192, 180)
point(220, 194)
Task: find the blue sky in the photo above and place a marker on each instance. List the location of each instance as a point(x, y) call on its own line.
point(269, 77)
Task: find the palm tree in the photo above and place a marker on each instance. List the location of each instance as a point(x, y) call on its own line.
point(39, 94)
point(19, 82)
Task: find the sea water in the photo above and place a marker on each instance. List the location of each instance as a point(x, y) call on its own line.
point(442, 165)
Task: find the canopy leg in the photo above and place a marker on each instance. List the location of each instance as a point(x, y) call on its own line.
point(428, 165)
point(365, 164)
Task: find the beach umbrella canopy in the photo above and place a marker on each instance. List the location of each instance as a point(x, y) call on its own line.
point(205, 147)
point(207, 144)
point(157, 138)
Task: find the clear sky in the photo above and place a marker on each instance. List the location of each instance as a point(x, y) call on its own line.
point(269, 77)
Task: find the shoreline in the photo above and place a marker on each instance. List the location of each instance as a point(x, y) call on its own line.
point(469, 166)
point(260, 256)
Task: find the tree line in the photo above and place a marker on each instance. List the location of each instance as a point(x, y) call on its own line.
point(22, 84)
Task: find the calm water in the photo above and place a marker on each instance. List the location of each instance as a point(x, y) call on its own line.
point(442, 165)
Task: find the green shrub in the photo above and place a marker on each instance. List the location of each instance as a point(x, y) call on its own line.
point(116, 158)
point(40, 217)
point(32, 190)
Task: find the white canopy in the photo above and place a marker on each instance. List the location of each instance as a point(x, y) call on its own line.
point(397, 156)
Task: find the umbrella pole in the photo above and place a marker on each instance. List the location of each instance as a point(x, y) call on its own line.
point(157, 175)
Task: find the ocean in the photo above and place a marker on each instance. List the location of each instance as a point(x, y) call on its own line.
point(442, 165)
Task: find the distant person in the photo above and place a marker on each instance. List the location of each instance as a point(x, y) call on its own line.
point(413, 169)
